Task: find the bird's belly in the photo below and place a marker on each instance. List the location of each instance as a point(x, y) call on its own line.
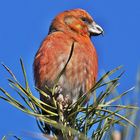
point(78, 77)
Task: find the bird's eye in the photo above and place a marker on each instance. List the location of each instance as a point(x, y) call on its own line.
point(84, 20)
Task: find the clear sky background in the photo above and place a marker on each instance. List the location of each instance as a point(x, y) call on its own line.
point(24, 24)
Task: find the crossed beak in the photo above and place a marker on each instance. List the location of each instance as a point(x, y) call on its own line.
point(94, 29)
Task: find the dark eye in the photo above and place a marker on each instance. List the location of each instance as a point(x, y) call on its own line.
point(84, 20)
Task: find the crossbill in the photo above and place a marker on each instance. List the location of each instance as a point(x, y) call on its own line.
point(68, 28)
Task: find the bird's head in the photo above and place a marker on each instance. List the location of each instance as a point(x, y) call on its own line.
point(77, 21)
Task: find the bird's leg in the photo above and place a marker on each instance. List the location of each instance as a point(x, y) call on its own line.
point(58, 94)
point(60, 99)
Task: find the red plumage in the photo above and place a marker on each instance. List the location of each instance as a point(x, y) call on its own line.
point(73, 26)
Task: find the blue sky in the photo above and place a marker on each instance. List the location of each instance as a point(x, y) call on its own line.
point(24, 24)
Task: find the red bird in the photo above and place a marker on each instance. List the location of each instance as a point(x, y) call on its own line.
point(72, 27)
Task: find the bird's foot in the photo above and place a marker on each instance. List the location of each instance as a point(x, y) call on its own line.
point(60, 98)
point(64, 100)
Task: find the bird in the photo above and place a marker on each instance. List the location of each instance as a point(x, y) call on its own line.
point(69, 28)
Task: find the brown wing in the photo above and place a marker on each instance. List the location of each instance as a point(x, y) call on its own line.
point(49, 58)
